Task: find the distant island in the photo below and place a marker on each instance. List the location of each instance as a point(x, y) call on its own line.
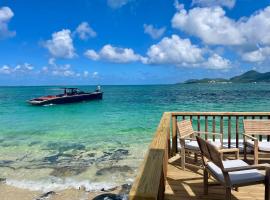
point(248, 77)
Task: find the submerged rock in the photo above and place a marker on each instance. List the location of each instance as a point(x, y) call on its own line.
point(68, 171)
point(3, 180)
point(108, 196)
point(46, 195)
point(62, 147)
point(113, 169)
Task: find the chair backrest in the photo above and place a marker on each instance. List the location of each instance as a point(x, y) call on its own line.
point(210, 152)
point(184, 127)
point(256, 127)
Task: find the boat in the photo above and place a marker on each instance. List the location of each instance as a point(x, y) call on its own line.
point(70, 95)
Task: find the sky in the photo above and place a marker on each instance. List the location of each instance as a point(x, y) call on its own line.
point(123, 42)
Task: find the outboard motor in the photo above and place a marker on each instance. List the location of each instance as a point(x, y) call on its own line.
point(98, 89)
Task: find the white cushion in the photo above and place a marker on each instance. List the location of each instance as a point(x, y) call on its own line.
point(263, 146)
point(238, 177)
point(193, 144)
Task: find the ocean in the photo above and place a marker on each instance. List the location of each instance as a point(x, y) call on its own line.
point(100, 144)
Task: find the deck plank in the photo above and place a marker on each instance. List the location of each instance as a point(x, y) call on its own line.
point(188, 185)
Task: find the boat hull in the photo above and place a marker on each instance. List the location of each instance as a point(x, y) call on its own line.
point(68, 99)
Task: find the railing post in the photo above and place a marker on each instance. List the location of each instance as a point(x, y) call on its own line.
point(237, 131)
point(229, 131)
point(174, 135)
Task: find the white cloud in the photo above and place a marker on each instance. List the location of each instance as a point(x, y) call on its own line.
point(61, 44)
point(18, 69)
point(5, 69)
point(214, 27)
point(117, 3)
point(91, 54)
point(207, 3)
point(113, 54)
point(217, 62)
point(85, 73)
point(84, 31)
point(174, 50)
point(5, 15)
point(95, 75)
point(209, 24)
point(258, 55)
point(154, 32)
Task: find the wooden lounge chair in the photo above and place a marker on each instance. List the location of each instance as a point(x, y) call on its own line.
point(231, 173)
point(188, 141)
point(252, 129)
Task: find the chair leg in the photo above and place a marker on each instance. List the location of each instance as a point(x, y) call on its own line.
point(195, 157)
point(245, 151)
point(205, 181)
point(183, 158)
point(228, 193)
point(267, 185)
point(256, 157)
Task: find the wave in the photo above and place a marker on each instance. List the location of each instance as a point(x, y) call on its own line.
point(55, 184)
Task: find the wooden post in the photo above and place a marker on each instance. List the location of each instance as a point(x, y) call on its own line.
point(229, 131)
point(237, 131)
point(199, 124)
point(214, 127)
point(206, 126)
point(174, 135)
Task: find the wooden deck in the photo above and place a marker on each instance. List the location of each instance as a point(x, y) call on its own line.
point(188, 185)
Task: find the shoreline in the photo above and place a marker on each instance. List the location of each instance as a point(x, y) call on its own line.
point(9, 192)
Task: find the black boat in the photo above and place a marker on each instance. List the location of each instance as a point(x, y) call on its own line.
point(70, 95)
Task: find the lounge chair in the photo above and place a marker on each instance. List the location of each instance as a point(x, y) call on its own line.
point(188, 141)
point(252, 129)
point(231, 173)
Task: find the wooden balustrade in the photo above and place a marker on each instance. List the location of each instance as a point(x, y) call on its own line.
point(150, 181)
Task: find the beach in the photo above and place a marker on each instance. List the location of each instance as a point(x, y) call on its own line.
point(86, 149)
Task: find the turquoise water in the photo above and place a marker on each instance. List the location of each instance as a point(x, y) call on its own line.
point(100, 143)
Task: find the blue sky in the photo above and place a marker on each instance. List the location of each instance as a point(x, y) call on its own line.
point(131, 41)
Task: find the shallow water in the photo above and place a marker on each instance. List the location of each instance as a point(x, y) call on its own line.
point(100, 143)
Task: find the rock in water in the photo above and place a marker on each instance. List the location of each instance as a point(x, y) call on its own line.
point(108, 196)
point(46, 195)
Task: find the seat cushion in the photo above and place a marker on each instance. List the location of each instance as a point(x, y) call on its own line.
point(238, 177)
point(193, 144)
point(263, 146)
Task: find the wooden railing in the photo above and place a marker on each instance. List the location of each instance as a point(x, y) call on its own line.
point(150, 181)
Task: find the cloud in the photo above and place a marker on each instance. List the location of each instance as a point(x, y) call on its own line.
point(91, 54)
point(61, 44)
point(213, 27)
point(5, 15)
point(18, 69)
point(174, 50)
point(155, 33)
point(217, 62)
point(95, 75)
point(5, 69)
point(258, 55)
point(117, 3)
point(84, 31)
point(113, 54)
point(209, 24)
point(208, 3)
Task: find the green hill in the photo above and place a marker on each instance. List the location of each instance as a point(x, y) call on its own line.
point(247, 77)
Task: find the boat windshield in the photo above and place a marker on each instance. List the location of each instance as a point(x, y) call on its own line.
point(71, 91)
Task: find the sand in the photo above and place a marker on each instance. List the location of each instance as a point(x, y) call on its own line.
point(13, 193)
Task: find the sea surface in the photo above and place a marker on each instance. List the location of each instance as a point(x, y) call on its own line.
point(100, 144)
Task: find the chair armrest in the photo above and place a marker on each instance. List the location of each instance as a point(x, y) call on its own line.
point(259, 166)
point(230, 150)
point(202, 132)
point(249, 136)
point(185, 136)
